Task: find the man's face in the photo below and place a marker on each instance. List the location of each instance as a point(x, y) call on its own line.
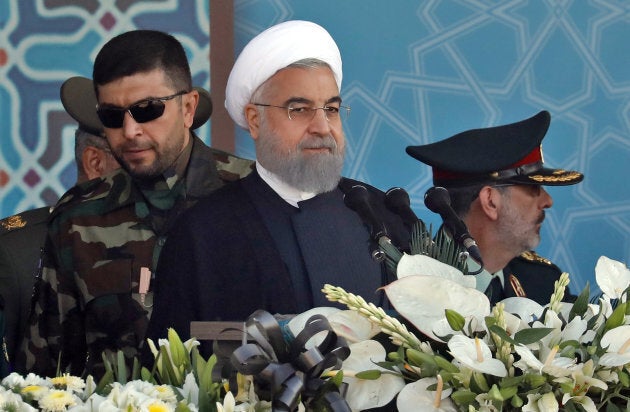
point(147, 149)
point(522, 214)
point(307, 153)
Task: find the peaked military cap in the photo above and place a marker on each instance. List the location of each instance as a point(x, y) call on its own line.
point(510, 154)
point(79, 100)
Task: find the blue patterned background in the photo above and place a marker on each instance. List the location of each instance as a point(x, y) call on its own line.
point(414, 72)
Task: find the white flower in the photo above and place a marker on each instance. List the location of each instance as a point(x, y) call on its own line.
point(56, 401)
point(68, 382)
point(475, 354)
point(616, 342)
point(362, 393)
point(541, 403)
point(229, 403)
point(410, 265)
point(415, 397)
point(612, 277)
point(553, 365)
point(422, 300)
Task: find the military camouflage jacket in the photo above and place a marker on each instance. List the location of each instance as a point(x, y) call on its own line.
point(102, 234)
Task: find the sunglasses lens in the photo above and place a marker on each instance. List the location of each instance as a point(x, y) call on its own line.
point(147, 111)
point(111, 118)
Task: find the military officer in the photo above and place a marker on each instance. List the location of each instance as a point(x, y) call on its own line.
point(495, 178)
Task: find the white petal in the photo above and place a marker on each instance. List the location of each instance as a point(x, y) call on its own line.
point(525, 308)
point(615, 338)
point(415, 397)
point(353, 326)
point(423, 299)
point(612, 277)
point(297, 323)
point(365, 394)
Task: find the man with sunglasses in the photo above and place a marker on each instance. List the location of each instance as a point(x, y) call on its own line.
point(105, 237)
point(273, 239)
point(495, 178)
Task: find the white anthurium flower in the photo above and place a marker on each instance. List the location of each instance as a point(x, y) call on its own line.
point(553, 365)
point(475, 354)
point(526, 309)
point(353, 326)
point(422, 300)
point(348, 324)
point(612, 277)
point(410, 265)
point(415, 397)
point(617, 344)
point(513, 323)
point(297, 323)
point(541, 403)
point(363, 393)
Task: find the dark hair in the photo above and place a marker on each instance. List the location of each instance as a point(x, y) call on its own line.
point(140, 51)
point(462, 197)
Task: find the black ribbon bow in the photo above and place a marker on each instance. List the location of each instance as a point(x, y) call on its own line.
point(288, 372)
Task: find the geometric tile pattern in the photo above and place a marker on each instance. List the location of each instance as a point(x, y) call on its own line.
point(414, 72)
point(418, 72)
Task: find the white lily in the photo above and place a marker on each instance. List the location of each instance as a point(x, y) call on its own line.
point(422, 300)
point(475, 354)
point(612, 277)
point(541, 403)
point(362, 393)
point(415, 397)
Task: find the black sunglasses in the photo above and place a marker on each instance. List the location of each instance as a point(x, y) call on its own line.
point(142, 112)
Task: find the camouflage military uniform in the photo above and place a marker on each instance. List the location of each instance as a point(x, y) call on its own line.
point(101, 235)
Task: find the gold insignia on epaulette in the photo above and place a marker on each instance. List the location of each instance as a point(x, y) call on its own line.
point(535, 257)
point(13, 222)
point(516, 286)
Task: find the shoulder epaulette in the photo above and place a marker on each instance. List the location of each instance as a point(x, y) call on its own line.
point(535, 257)
point(22, 219)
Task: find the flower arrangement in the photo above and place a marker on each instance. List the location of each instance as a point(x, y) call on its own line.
point(518, 355)
point(448, 350)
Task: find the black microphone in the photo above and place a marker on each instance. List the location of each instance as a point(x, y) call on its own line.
point(397, 201)
point(438, 201)
point(358, 199)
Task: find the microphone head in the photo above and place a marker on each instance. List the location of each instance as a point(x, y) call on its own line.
point(397, 197)
point(356, 197)
point(436, 199)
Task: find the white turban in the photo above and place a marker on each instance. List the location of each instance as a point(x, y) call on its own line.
point(272, 50)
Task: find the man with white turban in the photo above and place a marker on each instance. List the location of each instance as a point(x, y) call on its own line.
point(273, 239)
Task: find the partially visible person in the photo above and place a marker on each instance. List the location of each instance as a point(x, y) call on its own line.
point(273, 239)
point(22, 238)
point(495, 178)
point(105, 236)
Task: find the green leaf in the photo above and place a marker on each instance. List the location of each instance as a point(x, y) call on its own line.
point(455, 320)
point(480, 380)
point(516, 402)
point(528, 336)
point(122, 367)
point(501, 333)
point(417, 358)
point(580, 305)
point(508, 392)
point(370, 375)
point(617, 317)
point(623, 377)
point(463, 397)
point(442, 363)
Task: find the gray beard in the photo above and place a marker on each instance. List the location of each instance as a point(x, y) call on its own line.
point(316, 173)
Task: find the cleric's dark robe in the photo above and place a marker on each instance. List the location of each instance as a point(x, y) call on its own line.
point(244, 248)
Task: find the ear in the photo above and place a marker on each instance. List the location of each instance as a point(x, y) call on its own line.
point(490, 202)
point(189, 106)
point(93, 160)
point(253, 119)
